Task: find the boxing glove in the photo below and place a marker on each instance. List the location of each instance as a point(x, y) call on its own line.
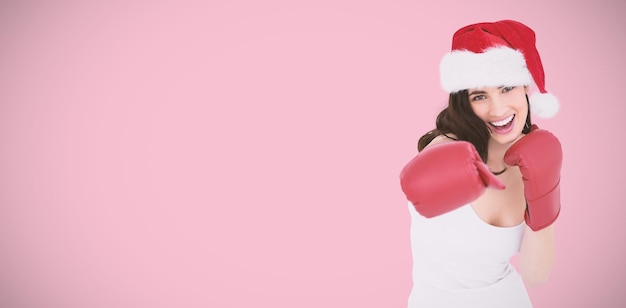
point(539, 157)
point(446, 176)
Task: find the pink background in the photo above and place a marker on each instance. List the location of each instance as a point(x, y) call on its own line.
point(246, 153)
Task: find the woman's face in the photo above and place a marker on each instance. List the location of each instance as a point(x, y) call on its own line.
point(503, 109)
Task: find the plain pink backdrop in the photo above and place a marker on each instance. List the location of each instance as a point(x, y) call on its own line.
point(246, 153)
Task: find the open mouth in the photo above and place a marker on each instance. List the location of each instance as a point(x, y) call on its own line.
point(503, 126)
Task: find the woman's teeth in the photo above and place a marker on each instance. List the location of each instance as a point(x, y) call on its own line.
point(503, 122)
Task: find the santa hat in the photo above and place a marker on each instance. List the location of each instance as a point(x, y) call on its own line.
point(501, 53)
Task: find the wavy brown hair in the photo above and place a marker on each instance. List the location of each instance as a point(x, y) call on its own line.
point(460, 120)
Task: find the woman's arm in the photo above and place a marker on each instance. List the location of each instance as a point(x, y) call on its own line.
point(536, 255)
point(539, 157)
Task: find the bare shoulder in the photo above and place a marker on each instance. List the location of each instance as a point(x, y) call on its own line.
point(442, 139)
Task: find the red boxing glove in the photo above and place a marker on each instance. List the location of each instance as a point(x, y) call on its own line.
point(539, 157)
point(445, 177)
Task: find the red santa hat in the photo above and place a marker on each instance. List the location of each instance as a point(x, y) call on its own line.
point(501, 53)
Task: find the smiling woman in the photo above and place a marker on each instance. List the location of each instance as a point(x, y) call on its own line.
point(498, 107)
point(485, 185)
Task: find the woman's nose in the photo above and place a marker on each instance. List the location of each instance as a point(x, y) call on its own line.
point(496, 107)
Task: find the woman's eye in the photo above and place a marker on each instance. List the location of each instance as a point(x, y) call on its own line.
point(478, 98)
point(507, 89)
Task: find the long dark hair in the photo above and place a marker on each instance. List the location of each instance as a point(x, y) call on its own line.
point(460, 120)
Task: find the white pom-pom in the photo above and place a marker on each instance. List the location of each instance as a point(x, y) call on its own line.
point(544, 105)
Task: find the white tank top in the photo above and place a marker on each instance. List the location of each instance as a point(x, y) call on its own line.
point(461, 261)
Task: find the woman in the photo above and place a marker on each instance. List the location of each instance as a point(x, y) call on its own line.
point(485, 185)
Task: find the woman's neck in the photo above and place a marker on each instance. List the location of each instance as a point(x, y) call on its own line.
point(495, 159)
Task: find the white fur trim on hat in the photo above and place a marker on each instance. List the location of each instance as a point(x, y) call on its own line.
point(496, 66)
point(544, 105)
